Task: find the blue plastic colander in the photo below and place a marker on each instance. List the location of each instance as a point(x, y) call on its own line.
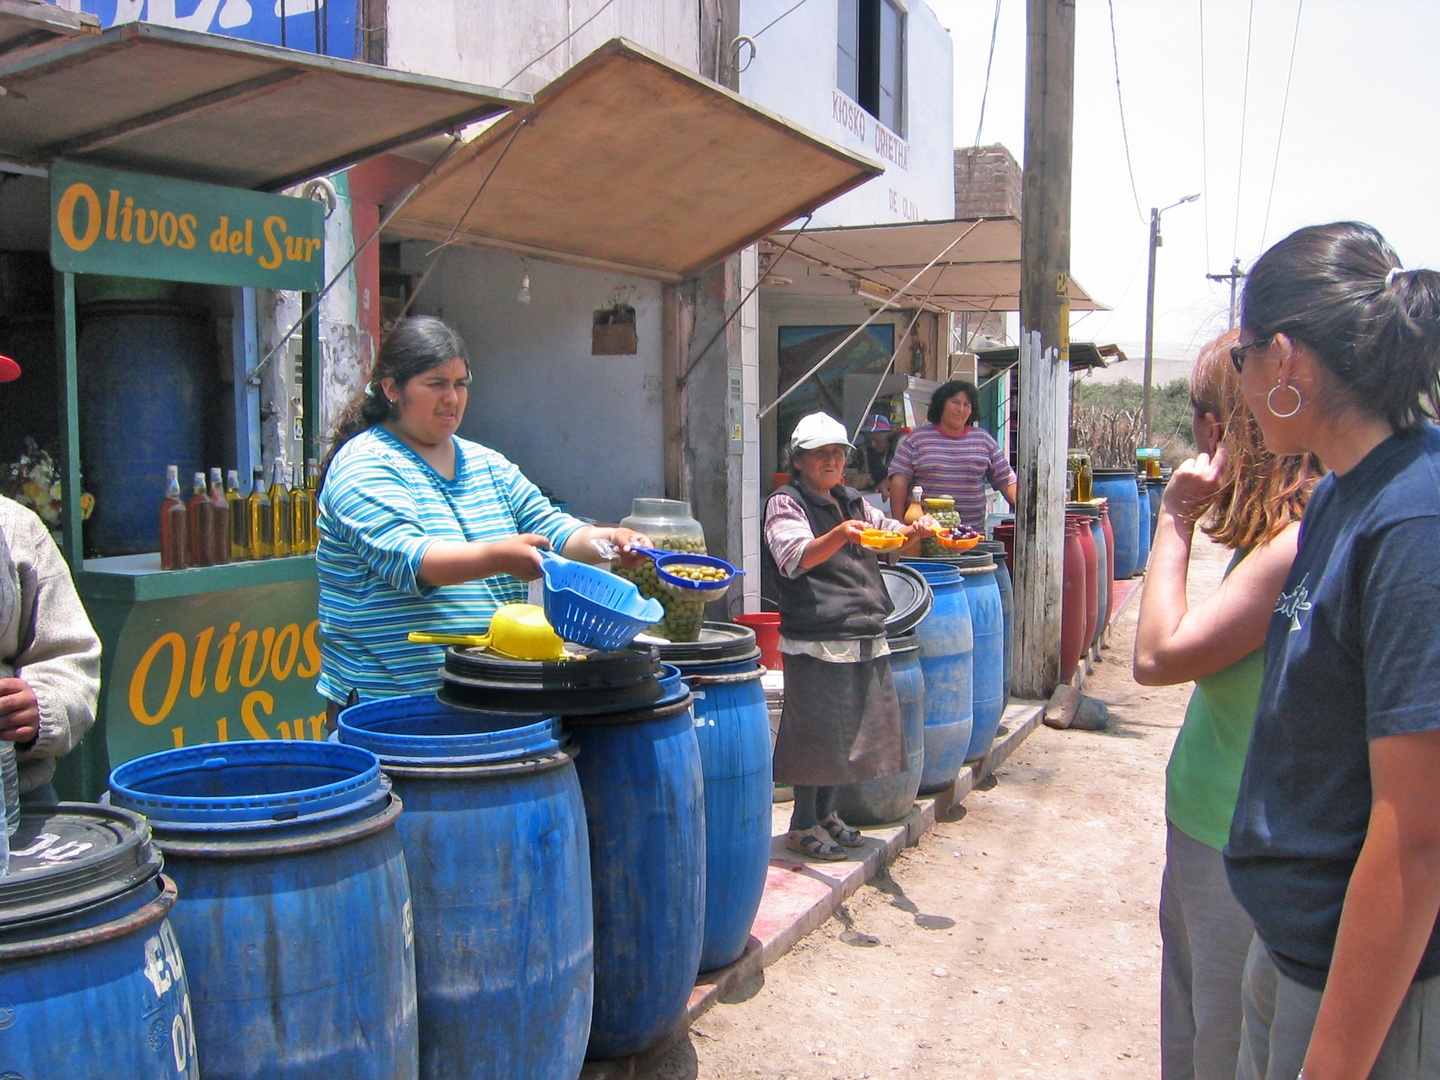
point(593, 607)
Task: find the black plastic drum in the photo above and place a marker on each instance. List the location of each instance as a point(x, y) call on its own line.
point(601, 682)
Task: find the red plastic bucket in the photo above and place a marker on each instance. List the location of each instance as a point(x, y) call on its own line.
point(766, 625)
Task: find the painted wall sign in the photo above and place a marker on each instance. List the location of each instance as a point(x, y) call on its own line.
point(103, 221)
point(317, 26)
point(214, 667)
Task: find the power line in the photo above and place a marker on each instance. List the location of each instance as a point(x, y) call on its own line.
point(969, 170)
point(773, 21)
point(557, 45)
point(984, 96)
point(1115, 52)
point(1244, 109)
point(1204, 147)
point(1280, 137)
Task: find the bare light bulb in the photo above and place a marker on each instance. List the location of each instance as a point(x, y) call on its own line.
point(523, 296)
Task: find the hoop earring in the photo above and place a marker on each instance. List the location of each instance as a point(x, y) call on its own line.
point(1270, 404)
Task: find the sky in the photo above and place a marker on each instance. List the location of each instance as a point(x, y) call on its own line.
point(1358, 139)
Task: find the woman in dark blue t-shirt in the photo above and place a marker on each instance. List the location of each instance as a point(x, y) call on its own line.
point(1335, 844)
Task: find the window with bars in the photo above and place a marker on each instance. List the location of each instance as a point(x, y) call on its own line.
point(871, 58)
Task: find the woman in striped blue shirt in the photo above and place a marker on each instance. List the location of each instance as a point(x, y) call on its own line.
point(420, 529)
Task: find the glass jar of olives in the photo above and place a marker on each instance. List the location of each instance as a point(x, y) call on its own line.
point(671, 527)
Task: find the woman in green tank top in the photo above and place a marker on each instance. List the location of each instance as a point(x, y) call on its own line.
point(1250, 501)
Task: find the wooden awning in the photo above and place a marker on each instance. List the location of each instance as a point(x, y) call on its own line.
point(1084, 356)
point(980, 273)
point(29, 25)
point(629, 163)
point(170, 102)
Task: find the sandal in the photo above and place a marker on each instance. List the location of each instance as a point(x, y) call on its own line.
point(815, 843)
point(841, 833)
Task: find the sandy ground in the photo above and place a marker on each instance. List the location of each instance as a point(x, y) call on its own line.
point(1019, 939)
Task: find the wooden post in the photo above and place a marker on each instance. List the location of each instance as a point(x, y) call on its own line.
point(1044, 344)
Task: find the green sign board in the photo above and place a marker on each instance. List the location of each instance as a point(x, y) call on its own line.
point(103, 221)
point(210, 667)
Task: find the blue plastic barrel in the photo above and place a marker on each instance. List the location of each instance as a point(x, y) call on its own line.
point(987, 621)
point(494, 832)
point(732, 728)
point(1142, 505)
point(644, 795)
point(1007, 604)
point(147, 384)
point(1117, 486)
point(295, 921)
point(91, 977)
point(947, 646)
point(889, 798)
point(1155, 487)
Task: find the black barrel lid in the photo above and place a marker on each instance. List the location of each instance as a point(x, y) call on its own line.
point(911, 595)
point(603, 681)
point(970, 560)
point(995, 548)
point(71, 856)
point(904, 643)
point(1113, 474)
point(598, 668)
point(717, 641)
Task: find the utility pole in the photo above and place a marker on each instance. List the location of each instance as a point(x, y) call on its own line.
point(1150, 322)
point(1044, 343)
point(1155, 242)
point(1233, 277)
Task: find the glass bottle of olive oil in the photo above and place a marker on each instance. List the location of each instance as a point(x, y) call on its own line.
point(201, 518)
point(302, 518)
point(279, 510)
point(236, 502)
point(174, 532)
point(219, 521)
point(259, 528)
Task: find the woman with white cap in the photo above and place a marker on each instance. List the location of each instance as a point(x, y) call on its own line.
point(841, 721)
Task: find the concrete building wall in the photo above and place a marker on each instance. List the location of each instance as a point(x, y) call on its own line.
point(490, 43)
point(988, 182)
point(794, 73)
point(588, 428)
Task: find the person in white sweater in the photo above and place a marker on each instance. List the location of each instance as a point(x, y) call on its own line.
point(49, 653)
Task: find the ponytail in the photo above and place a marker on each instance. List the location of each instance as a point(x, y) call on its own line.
point(1338, 289)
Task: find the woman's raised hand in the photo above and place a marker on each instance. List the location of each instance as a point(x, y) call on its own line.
point(924, 525)
point(850, 529)
point(518, 556)
point(1193, 481)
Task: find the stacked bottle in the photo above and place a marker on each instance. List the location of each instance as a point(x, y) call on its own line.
point(221, 525)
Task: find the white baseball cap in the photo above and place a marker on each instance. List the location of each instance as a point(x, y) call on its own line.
point(818, 429)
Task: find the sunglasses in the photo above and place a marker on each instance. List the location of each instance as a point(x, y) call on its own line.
point(1237, 352)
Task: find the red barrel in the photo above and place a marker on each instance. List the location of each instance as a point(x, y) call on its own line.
point(766, 625)
point(1092, 574)
point(1072, 605)
point(1109, 561)
point(1005, 533)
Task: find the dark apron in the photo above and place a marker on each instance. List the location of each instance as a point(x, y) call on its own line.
point(840, 724)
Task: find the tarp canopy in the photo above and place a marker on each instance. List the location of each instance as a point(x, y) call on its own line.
point(629, 163)
point(980, 273)
point(155, 99)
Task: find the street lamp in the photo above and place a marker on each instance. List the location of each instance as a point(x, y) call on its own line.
point(1150, 303)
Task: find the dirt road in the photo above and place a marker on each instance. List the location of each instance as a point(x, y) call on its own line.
point(1018, 939)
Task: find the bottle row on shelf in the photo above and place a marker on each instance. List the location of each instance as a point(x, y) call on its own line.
point(221, 525)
